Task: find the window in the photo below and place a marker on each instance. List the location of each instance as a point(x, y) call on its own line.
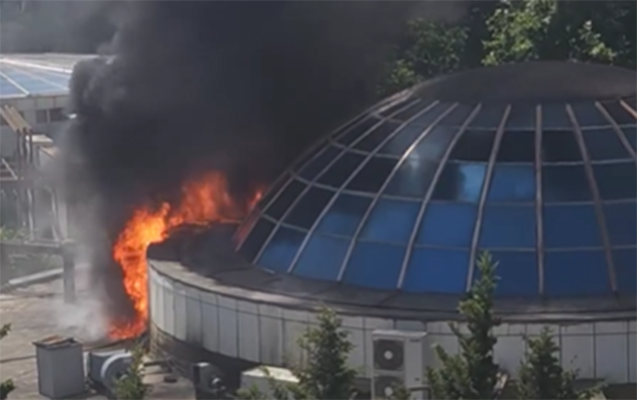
point(587, 115)
point(473, 146)
point(630, 132)
point(565, 183)
point(560, 146)
point(280, 251)
point(399, 105)
point(625, 271)
point(512, 183)
point(391, 221)
point(308, 208)
point(373, 175)
point(458, 116)
point(517, 147)
point(447, 224)
point(341, 170)
point(437, 271)
point(412, 111)
point(616, 181)
point(398, 144)
point(561, 267)
point(56, 115)
point(41, 116)
point(273, 191)
point(375, 265)
point(620, 223)
point(508, 227)
point(253, 243)
point(434, 143)
point(460, 182)
point(620, 115)
point(571, 226)
point(316, 166)
point(348, 125)
point(522, 117)
point(431, 115)
point(285, 199)
point(554, 117)
point(377, 136)
point(413, 178)
point(357, 131)
point(322, 258)
point(517, 273)
point(604, 144)
point(344, 215)
point(489, 117)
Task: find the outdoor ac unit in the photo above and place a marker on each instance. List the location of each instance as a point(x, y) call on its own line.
point(260, 378)
point(105, 367)
point(398, 361)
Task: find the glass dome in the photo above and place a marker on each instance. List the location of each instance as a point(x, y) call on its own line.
point(405, 196)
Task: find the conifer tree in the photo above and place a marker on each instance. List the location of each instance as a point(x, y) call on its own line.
point(472, 373)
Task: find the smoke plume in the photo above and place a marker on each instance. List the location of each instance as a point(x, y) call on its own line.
point(240, 87)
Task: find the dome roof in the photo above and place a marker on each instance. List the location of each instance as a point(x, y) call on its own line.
point(405, 196)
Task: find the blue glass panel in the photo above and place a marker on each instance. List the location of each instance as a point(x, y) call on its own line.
point(309, 207)
point(357, 131)
point(575, 273)
point(489, 116)
point(273, 191)
point(621, 223)
point(448, 224)
point(285, 199)
point(604, 144)
point(398, 144)
point(616, 181)
point(8, 89)
point(508, 227)
point(517, 272)
point(344, 215)
point(312, 169)
point(437, 271)
point(434, 144)
point(473, 146)
point(554, 116)
point(458, 116)
point(619, 113)
point(253, 243)
point(571, 226)
point(322, 258)
point(341, 170)
point(517, 146)
point(375, 265)
point(460, 182)
point(373, 175)
point(625, 261)
point(521, 117)
point(413, 178)
point(280, 251)
point(430, 116)
point(391, 221)
point(587, 115)
point(630, 132)
point(377, 136)
point(560, 146)
point(512, 183)
point(565, 183)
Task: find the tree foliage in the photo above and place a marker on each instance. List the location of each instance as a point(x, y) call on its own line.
point(472, 373)
point(542, 377)
point(6, 386)
point(130, 386)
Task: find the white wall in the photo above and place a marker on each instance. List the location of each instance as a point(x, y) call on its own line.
point(266, 334)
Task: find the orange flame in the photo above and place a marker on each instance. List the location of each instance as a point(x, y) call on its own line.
point(204, 200)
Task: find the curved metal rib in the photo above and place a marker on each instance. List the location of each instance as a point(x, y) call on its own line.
point(539, 210)
point(14, 83)
point(616, 128)
point(350, 178)
point(371, 206)
point(601, 220)
point(327, 166)
point(430, 191)
point(483, 195)
point(628, 108)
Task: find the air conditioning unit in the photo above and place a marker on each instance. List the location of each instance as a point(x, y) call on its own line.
point(105, 367)
point(261, 377)
point(398, 361)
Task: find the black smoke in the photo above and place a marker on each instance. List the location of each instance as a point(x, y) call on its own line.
point(240, 87)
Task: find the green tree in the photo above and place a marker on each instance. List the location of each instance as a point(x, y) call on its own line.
point(542, 377)
point(131, 385)
point(6, 386)
point(472, 373)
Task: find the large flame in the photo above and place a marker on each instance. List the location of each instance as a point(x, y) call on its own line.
point(203, 201)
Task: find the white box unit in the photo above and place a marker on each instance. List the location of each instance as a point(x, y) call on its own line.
point(260, 378)
point(398, 361)
point(60, 365)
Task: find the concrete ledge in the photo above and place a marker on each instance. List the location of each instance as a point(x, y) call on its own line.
point(28, 280)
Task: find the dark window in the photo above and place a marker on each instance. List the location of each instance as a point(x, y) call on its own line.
point(257, 237)
point(620, 115)
point(41, 116)
point(373, 175)
point(273, 191)
point(376, 137)
point(348, 125)
point(604, 144)
point(621, 222)
point(432, 114)
point(398, 144)
point(473, 146)
point(338, 173)
point(413, 178)
point(508, 227)
point(357, 131)
point(571, 226)
point(399, 105)
point(625, 271)
point(489, 117)
point(554, 117)
point(312, 169)
point(280, 251)
point(560, 146)
point(630, 132)
point(56, 115)
point(434, 143)
point(588, 115)
point(517, 273)
point(437, 271)
point(616, 181)
point(458, 116)
point(308, 208)
point(560, 268)
point(412, 111)
point(522, 117)
point(375, 265)
point(512, 183)
point(344, 215)
point(460, 182)
point(322, 258)
point(285, 200)
point(391, 221)
point(307, 156)
point(564, 183)
point(447, 224)
point(517, 146)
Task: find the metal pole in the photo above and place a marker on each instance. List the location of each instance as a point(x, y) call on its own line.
point(68, 272)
